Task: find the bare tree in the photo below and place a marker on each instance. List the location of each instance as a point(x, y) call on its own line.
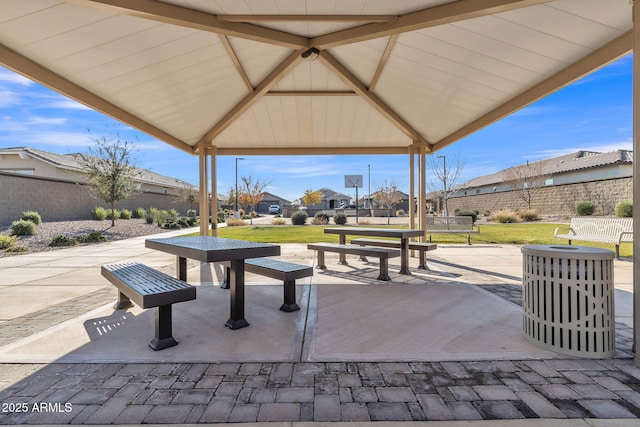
point(447, 174)
point(251, 193)
point(110, 170)
point(526, 180)
point(387, 195)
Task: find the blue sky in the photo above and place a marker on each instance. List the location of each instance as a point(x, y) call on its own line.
point(594, 113)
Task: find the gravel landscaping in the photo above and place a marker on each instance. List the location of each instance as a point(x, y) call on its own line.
point(124, 229)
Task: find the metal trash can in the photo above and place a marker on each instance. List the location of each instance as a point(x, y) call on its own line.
point(567, 299)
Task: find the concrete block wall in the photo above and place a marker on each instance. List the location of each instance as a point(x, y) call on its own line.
point(554, 200)
point(59, 200)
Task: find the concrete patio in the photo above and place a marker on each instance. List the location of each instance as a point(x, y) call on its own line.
point(443, 344)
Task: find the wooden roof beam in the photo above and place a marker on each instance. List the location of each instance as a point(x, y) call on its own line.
point(248, 101)
point(177, 15)
point(36, 72)
point(438, 15)
point(352, 81)
point(307, 18)
point(610, 52)
point(236, 61)
point(383, 61)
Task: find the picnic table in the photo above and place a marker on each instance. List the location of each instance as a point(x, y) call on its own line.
point(217, 249)
point(403, 234)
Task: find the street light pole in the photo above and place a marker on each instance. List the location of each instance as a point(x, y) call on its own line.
point(444, 181)
point(236, 195)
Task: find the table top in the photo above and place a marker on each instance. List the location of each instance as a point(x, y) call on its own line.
point(402, 233)
point(212, 249)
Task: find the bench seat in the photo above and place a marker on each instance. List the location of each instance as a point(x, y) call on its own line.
point(149, 288)
point(599, 230)
point(288, 272)
point(451, 225)
point(421, 247)
point(382, 253)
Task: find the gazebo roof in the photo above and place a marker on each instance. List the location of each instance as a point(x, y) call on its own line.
point(232, 74)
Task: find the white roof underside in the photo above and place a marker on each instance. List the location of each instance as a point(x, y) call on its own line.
point(175, 69)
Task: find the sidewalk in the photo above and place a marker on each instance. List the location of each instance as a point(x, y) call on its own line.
point(54, 294)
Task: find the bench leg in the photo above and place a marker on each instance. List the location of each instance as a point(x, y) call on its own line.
point(164, 334)
point(422, 263)
point(289, 297)
point(123, 302)
point(321, 261)
point(227, 278)
point(469, 239)
point(617, 251)
point(384, 270)
point(237, 320)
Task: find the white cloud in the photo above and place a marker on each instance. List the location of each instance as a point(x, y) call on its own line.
point(601, 148)
point(13, 78)
point(67, 104)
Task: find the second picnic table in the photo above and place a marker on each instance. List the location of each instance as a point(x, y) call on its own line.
point(404, 234)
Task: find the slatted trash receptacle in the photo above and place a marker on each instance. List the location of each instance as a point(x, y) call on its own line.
point(567, 302)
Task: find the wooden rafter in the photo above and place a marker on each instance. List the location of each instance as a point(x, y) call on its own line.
point(36, 72)
point(308, 151)
point(352, 81)
point(311, 93)
point(271, 80)
point(438, 15)
point(236, 62)
point(176, 15)
point(307, 18)
point(383, 61)
point(596, 59)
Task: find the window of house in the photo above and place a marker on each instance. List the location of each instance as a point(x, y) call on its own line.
point(548, 181)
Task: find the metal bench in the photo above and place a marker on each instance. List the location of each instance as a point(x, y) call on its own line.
point(421, 247)
point(600, 230)
point(288, 272)
point(382, 253)
point(149, 288)
point(451, 224)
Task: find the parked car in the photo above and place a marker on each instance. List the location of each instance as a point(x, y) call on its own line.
point(274, 209)
point(351, 207)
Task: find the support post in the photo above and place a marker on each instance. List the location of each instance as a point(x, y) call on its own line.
point(636, 182)
point(214, 193)
point(422, 188)
point(204, 192)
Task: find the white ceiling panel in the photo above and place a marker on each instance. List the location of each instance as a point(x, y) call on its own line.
point(168, 70)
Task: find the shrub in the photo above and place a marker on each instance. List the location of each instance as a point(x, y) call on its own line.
point(400, 212)
point(486, 212)
point(235, 222)
point(125, 214)
point(340, 219)
point(299, 218)
point(139, 213)
point(161, 217)
point(191, 213)
point(624, 209)
point(171, 224)
point(321, 218)
point(151, 215)
point(93, 237)
point(17, 249)
point(173, 213)
point(115, 212)
point(23, 228)
point(504, 216)
point(222, 216)
point(278, 221)
point(99, 214)
point(63, 241)
point(472, 214)
point(32, 216)
point(585, 208)
point(528, 215)
point(7, 241)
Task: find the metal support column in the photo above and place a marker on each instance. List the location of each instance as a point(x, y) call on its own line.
point(204, 192)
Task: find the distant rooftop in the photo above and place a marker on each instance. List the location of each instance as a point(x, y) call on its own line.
point(578, 160)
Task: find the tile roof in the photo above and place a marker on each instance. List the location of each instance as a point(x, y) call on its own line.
point(578, 160)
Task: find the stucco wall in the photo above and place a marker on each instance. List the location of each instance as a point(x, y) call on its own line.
point(555, 200)
point(58, 200)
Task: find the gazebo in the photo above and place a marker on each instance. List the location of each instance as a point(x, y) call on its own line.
point(284, 77)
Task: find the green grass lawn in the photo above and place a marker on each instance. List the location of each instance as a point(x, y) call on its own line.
point(520, 234)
